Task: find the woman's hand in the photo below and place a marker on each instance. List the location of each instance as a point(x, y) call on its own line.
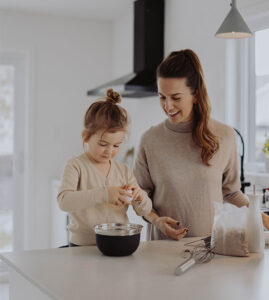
point(165, 225)
point(118, 195)
point(265, 220)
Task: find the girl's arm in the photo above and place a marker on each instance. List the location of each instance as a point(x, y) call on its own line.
point(141, 202)
point(70, 199)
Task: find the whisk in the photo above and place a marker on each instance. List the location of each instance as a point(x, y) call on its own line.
point(201, 253)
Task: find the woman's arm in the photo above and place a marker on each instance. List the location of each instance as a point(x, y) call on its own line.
point(265, 220)
point(231, 184)
point(141, 171)
point(167, 226)
point(230, 179)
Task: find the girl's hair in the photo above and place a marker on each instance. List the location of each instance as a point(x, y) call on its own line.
point(186, 64)
point(104, 114)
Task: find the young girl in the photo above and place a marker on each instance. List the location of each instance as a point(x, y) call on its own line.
point(95, 188)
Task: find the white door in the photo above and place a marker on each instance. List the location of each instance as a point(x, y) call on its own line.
point(12, 145)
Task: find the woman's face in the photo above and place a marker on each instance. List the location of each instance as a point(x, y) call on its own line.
point(176, 99)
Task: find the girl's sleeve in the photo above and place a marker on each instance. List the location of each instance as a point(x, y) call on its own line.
point(230, 179)
point(70, 199)
point(143, 207)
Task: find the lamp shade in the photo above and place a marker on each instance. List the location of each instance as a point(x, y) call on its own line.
point(233, 26)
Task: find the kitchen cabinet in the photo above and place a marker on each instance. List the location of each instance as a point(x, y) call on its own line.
point(84, 273)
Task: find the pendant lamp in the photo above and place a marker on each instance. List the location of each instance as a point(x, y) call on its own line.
point(233, 26)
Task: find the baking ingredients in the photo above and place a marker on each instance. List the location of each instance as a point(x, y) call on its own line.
point(230, 241)
point(229, 231)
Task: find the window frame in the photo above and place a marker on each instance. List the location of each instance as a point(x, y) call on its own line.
point(258, 19)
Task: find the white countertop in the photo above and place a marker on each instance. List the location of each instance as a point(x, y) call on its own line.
point(80, 273)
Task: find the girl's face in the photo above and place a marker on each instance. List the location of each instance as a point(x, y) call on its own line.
point(103, 146)
point(176, 99)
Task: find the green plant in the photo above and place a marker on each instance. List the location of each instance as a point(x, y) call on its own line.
point(265, 148)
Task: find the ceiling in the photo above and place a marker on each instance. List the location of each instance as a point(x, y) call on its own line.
point(93, 9)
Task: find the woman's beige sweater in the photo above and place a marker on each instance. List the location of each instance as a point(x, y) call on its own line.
point(169, 167)
point(84, 196)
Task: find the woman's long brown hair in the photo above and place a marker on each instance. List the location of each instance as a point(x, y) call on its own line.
point(186, 64)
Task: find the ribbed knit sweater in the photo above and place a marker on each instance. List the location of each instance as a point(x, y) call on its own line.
point(169, 167)
point(84, 196)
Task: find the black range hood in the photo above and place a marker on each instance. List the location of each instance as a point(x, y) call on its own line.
point(148, 52)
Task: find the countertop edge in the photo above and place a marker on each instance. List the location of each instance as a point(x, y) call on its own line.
point(35, 283)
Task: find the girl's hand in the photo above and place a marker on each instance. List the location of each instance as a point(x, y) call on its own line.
point(118, 195)
point(164, 224)
point(137, 193)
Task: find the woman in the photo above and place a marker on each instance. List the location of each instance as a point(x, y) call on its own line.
point(190, 160)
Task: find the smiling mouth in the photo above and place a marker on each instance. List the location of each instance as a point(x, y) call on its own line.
point(174, 114)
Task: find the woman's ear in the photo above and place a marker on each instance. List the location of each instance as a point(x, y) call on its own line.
point(194, 95)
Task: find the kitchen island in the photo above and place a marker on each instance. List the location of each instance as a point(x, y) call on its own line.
point(80, 273)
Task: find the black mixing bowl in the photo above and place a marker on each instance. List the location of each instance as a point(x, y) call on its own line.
point(117, 239)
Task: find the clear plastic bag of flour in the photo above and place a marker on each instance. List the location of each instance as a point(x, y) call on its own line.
point(229, 231)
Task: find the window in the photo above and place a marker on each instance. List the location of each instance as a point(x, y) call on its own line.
point(12, 150)
point(6, 155)
point(261, 91)
point(257, 90)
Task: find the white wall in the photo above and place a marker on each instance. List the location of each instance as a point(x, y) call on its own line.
point(65, 57)
point(123, 44)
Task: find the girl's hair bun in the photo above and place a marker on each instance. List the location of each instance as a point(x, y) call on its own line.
point(113, 96)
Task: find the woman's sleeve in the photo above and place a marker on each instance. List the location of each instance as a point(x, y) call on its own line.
point(230, 179)
point(141, 171)
point(70, 199)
